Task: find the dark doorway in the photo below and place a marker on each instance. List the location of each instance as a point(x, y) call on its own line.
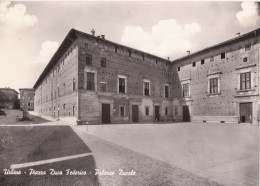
point(157, 113)
point(105, 113)
point(186, 113)
point(246, 113)
point(135, 116)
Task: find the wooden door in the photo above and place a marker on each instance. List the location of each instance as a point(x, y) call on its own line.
point(105, 113)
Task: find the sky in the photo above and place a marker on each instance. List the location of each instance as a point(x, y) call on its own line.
point(31, 32)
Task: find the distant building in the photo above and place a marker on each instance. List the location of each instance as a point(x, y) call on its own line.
point(9, 98)
point(93, 80)
point(27, 99)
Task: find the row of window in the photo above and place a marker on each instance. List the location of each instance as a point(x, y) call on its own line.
point(147, 111)
point(245, 83)
point(222, 56)
point(122, 88)
point(103, 60)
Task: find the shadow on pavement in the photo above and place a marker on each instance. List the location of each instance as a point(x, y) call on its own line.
point(42, 143)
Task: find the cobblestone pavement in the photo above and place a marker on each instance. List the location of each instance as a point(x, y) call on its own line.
point(111, 157)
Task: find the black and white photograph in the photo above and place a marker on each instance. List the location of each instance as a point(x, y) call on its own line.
point(138, 93)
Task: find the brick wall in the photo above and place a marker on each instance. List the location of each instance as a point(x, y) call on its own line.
point(225, 105)
point(55, 95)
point(134, 68)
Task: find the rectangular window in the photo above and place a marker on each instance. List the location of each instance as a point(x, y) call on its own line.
point(115, 49)
point(185, 88)
point(122, 111)
point(179, 68)
point(247, 47)
point(211, 58)
point(202, 61)
point(245, 80)
point(214, 85)
point(103, 62)
point(146, 88)
point(121, 85)
point(85, 45)
point(73, 110)
point(90, 81)
point(103, 87)
point(64, 106)
point(89, 59)
point(74, 84)
point(130, 53)
point(245, 59)
point(166, 111)
point(223, 55)
point(166, 91)
point(193, 64)
point(147, 111)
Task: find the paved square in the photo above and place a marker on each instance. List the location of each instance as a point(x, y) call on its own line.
point(225, 153)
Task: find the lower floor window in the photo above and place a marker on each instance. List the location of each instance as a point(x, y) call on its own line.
point(122, 111)
point(147, 111)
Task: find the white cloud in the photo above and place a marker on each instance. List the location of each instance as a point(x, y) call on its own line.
point(248, 16)
point(166, 39)
point(16, 15)
point(48, 48)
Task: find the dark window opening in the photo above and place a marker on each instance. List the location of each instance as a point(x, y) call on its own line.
point(179, 68)
point(147, 111)
point(103, 62)
point(122, 111)
point(245, 59)
point(247, 47)
point(245, 80)
point(223, 55)
point(121, 85)
point(166, 111)
point(214, 85)
point(202, 61)
point(193, 64)
point(74, 84)
point(90, 81)
point(146, 88)
point(64, 106)
point(89, 59)
point(143, 56)
point(115, 49)
point(130, 53)
point(166, 91)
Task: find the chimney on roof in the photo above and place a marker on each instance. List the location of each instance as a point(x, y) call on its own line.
point(168, 58)
point(93, 32)
point(188, 52)
point(238, 34)
point(103, 37)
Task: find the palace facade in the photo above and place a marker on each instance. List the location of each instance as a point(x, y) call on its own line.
point(93, 80)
